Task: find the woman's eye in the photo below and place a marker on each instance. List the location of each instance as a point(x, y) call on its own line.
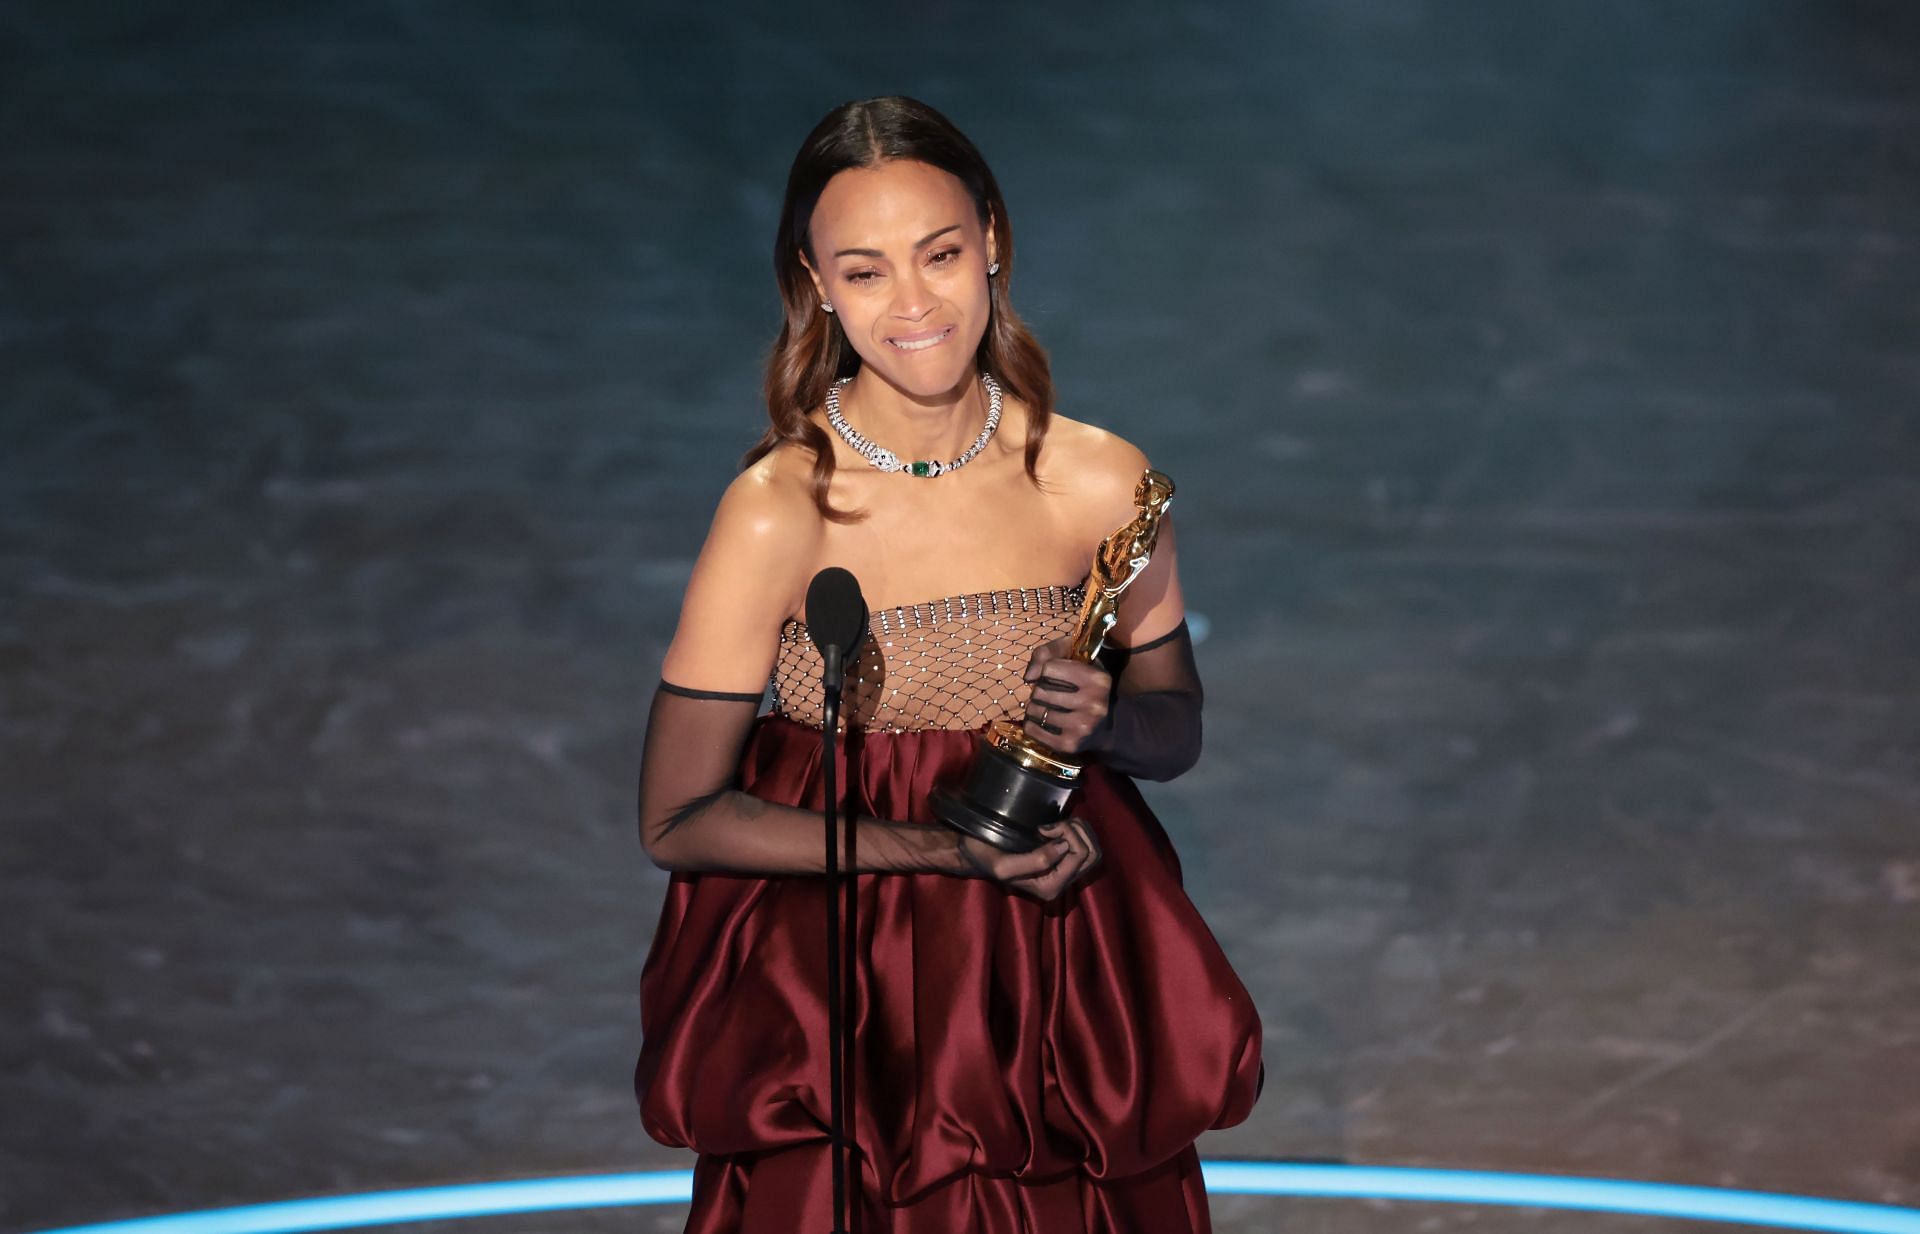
point(944, 257)
point(862, 276)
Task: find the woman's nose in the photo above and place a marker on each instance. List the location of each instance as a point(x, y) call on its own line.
point(912, 298)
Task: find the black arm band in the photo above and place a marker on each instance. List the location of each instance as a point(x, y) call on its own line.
point(1151, 643)
point(722, 695)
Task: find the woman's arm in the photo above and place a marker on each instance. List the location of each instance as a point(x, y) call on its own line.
point(693, 818)
point(1152, 731)
point(1139, 706)
point(1142, 719)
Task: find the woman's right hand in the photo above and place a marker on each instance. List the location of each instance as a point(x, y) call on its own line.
point(1068, 853)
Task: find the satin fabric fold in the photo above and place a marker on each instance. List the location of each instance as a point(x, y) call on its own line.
point(1017, 1065)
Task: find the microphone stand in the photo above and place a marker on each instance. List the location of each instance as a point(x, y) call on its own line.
point(836, 1025)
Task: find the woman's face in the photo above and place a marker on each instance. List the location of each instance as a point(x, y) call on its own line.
point(903, 259)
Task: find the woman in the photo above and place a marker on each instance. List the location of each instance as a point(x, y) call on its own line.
point(1039, 1037)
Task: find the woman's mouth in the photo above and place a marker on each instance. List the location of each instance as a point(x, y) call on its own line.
point(920, 342)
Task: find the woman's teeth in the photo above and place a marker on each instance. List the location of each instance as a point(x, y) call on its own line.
point(921, 344)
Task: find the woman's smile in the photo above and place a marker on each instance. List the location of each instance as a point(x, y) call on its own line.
point(921, 341)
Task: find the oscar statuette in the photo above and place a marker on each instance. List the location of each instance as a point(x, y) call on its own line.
point(1018, 785)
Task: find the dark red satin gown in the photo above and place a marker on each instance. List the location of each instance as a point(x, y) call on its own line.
point(1019, 1066)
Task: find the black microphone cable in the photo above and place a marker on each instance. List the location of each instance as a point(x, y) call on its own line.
point(836, 622)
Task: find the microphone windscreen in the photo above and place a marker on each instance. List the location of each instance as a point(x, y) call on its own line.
point(836, 611)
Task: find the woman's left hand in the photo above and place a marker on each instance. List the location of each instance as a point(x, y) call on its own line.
point(1068, 710)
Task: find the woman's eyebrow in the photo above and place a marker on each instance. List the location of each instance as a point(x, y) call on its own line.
point(921, 243)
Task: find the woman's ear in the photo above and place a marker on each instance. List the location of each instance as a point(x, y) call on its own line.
point(819, 288)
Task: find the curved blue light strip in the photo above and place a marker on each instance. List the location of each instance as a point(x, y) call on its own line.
point(1222, 1178)
point(535, 1195)
point(1554, 1191)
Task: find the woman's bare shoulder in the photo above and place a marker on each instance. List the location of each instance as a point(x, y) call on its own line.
point(1102, 474)
point(1096, 468)
point(750, 575)
point(768, 508)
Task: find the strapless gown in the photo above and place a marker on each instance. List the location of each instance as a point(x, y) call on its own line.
point(1018, 1066)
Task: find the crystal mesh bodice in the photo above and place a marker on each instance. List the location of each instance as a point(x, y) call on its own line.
point(949, 663)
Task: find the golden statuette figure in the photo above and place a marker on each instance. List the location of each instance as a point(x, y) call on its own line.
point(1019, 785)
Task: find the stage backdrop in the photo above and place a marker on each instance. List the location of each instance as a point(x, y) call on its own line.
point(1539, 378)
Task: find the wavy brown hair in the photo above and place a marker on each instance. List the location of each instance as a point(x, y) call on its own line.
point(812, 351)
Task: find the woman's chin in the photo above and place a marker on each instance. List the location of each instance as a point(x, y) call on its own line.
point(925, 379)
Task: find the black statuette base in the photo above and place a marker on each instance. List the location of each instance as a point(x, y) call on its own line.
point(1002, 802)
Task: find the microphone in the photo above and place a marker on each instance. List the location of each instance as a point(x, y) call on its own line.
point(836, 621)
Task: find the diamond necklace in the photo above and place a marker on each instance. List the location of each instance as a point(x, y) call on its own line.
point(887, 460)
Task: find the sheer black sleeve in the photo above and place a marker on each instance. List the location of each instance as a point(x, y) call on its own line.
point(1152, 730)
point(695, 817)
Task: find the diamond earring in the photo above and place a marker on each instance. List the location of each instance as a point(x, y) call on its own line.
point(826, 306)
point(993, 269)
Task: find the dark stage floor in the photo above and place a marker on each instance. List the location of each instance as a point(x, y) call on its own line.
point(1540, 380)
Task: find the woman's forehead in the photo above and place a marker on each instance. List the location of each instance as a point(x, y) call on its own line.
point(892, 205)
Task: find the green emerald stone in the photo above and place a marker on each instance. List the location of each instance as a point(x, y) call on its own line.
point(920, 469)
